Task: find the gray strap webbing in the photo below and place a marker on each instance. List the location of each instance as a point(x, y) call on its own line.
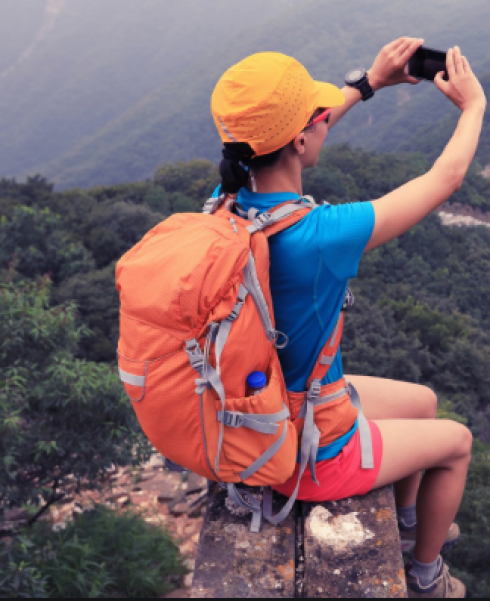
point(265, 424)
point(252, 284)
point(131, 379)
point(134, 380)
point(323, 401)
point(225, 326)
point(310, 438)
point(285, 511)
point(310, 201)
point(239, 210)
point(267, 500)
point(310, 441)
point(267, 219)
point(267, 456)
point(364, 431)
point(208, 376)
point(212, 204)
point(334, 334)
point(251, 505)
point(252, 214)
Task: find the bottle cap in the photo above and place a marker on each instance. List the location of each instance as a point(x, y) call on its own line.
point(257, 380)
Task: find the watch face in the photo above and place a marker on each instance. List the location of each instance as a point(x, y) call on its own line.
point(356, 75)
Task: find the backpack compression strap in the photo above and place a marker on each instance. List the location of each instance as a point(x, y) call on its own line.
point(311, 433)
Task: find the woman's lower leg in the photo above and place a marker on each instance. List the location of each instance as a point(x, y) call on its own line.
point(406, 490)
point(438, 501)
point(443, 449)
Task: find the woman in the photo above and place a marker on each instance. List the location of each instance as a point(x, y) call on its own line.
point(274, 119)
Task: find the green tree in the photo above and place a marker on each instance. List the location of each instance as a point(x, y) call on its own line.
point(33, 242)
point(59, 416)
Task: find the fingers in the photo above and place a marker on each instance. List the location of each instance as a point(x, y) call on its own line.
point(456, 63)
point(409, 49)
point(450, 64)
point(457, 60)
point(396, 44)
point(440, 82)
point(413, 80)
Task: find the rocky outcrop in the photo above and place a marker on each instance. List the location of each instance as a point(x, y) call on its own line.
point(352, 549)
point(234, 563)
point(452, 219)
point(349, 549)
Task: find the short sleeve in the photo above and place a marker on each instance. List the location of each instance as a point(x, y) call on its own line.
point(343, 232)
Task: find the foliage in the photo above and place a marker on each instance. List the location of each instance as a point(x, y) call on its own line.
point(32, 242)
point(58, 415)
point(101, 554)
point(19, 576)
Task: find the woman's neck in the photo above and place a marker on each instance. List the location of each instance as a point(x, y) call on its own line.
point(270, 179)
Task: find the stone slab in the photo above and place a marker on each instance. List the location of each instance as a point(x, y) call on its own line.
point(352, 549)
point(234, 563)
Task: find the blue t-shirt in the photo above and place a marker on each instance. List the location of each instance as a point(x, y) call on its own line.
point(311, 264)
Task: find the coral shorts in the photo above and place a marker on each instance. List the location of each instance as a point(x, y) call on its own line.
point(341, 477)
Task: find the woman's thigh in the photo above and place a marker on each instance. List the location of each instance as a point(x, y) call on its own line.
point(410, 446)
point(387, 399)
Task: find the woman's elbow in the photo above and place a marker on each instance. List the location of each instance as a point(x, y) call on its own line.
point(449, 179)
point(457, 180)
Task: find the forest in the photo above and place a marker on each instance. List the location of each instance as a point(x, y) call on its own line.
point(422, 315)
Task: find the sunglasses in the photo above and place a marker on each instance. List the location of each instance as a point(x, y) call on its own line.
point(324, 116)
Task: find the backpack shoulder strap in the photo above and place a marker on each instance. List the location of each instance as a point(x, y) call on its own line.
point(280, 218)
point(329, 352)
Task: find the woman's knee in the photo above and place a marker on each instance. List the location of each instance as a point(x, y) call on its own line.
point(428, 402)
point(461, 440)
point(466, 443)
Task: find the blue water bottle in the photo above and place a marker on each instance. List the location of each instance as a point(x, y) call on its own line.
point(256, 383)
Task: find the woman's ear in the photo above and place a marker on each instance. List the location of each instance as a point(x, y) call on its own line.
point(299, 143)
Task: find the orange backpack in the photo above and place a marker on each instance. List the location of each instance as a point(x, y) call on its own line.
point(196, 319)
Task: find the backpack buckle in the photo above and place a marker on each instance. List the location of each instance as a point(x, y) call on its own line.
point(263, 220)
point(349, 299)
point(233, 316)
point(314, 390)
point(233, 420)
point(195, 354)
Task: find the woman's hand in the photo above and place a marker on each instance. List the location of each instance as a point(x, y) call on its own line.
point(463, 87)
point(389, 68)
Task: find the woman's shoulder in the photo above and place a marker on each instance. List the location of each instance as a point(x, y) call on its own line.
point(341, 217)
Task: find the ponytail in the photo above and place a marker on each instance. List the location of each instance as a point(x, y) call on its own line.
point(238, 159)
point(233, 167)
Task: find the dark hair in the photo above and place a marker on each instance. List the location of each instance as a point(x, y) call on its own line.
point(237, 160)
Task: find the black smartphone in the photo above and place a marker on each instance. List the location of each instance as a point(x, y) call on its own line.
point(426, 63)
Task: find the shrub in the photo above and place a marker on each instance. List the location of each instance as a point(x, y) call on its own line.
point(101, 554)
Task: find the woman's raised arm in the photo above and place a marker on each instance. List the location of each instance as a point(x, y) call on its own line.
point(400, 210)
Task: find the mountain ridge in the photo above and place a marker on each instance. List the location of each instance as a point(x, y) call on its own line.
point(143, 120)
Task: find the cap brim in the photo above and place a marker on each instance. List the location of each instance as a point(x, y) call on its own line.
point(326, 96)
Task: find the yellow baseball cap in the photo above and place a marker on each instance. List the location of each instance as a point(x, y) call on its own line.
point(267, 99)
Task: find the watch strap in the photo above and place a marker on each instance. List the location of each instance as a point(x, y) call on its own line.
point(365, 88)
point(362, 84)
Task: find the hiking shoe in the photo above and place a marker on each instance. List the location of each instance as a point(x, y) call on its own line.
point(443, 587)
point(408, 535)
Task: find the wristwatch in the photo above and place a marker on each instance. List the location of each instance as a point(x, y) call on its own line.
point(358, 78)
